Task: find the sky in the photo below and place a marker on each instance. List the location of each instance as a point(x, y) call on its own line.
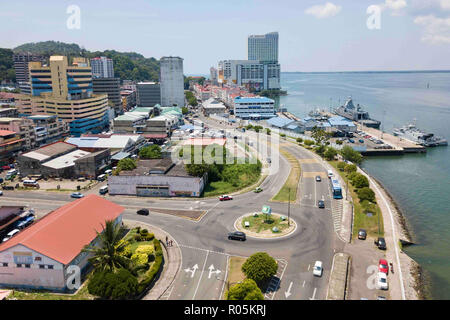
point(314, 35)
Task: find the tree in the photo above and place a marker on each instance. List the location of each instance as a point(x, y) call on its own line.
point(349, 168)
point(360, 181)
point(341, 165)
point(320, 136)
point(268, 131)
point(299, 140)
point(309, 142)
point(320, 149)
point(260, 267)
point(150, 152)
point(366, 194)
point(349, 154)
point(126, 164)
point(108, 255)
point(330, 153)
point(246, 290)
point(184, 110)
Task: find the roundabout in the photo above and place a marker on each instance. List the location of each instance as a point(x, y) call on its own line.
point(262, 226)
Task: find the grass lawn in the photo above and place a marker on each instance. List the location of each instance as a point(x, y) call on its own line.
point(361, 220)
point(259, 223)
point(235, 273)
point(291, 182)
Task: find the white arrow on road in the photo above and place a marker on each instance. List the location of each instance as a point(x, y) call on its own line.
point(211, 268)
point(314, 294)
point(288, 292)
point(194, 268)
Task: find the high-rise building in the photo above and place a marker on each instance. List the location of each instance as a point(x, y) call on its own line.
point(65, 91)
point(213, 75)
point(172, 81)
point(263, 48)
point(148, 94)
point(21, 61)
point(102, 67)
point(110, 86)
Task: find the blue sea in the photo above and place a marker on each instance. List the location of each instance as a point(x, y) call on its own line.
point(419, 183)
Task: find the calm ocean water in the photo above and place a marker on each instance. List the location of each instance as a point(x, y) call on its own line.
point(420, 184)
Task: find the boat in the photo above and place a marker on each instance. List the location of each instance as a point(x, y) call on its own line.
point(349, 111)
point(414, 134)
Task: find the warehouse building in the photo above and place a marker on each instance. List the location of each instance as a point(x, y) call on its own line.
point(45, 255)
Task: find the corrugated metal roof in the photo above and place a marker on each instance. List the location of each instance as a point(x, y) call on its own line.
point(279, 122)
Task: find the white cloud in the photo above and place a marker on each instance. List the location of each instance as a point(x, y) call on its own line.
point(324, 11)
point(436, 30)
point(396, 4)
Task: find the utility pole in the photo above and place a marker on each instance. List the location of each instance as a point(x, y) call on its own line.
point(289, 207)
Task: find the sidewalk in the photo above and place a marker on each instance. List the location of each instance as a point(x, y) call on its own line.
point(172, 260)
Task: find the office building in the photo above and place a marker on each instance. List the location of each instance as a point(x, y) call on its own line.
point(102, 67)
point(110, 86)
point(213, 76)
point(10, 145)
point(254, 108)
point(21, 61)
point(148, 94)
point(66, 91)
point(172, 81)
point(263, 48)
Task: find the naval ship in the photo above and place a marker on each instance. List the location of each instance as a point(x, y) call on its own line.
point(349, 111)
point(412, 133)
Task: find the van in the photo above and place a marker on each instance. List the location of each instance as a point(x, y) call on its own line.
point(30, 183)
point(11, 174)
point(330, 174)
point(101, 177)
point(103, 190)
point(109, 171)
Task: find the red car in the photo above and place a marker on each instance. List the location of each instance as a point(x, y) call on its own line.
point(225, 198)
point(6, 167)
point(383, 266)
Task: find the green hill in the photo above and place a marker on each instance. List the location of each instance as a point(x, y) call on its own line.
point(127, 65)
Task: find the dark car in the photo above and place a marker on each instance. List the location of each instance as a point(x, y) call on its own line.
point(321, 204)
point(362, 234)
point(236, 235)
point(143, 212)
point(380, 243)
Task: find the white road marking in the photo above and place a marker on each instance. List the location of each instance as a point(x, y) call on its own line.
point(303, 285)
point(194, 268)
point(314, 294)
point(211, 268)
point(288, 292)
point(201, 275)
point(309, 266)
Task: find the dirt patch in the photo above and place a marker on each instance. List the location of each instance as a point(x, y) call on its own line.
point(190, 214)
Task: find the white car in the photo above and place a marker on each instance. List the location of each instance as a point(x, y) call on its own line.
point(1, 193)
point(382, 282)
point(318, 270)
point(11, 234)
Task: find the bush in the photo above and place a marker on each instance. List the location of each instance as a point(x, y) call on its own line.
point(260, 267)
point(339, 142)
point(366, 194)
point(341, 165)
point(360, 181)
point(330, 153)
point(309, 142)
point(150, 274)
point(113, 285)
point(320, 150)
point(247, 290)
point(150, 152)
point(352, 175)
point(299, 140)
point(350, 168)
point(127, 251)
point(139, 259)
point(144, 249)
point(349, 154)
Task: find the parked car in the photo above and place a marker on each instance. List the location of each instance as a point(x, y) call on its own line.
point(10, 235)
point(382, 281)
point(318, 178)
point(1, 193)
point(1, 180)
point(6, 167)
point(77, 195)
point(318, 270)
point(103, 190)
point(321, 204)
point(25, 222)
point(361, 141)
point(380, 243)
point(383, 266)
point(381, 298)
point(362, 234)
point(143, 212)
point(225, 197)
point(258, 190)
point(351, 140)
point(237, 235)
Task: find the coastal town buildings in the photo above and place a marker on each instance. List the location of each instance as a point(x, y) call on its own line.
point(111, 87)
point(263, 48)
point(21, 63)
point(172, 81)
point(148, 94)
point(102, 67)
point(10, 145)
point(254, 107)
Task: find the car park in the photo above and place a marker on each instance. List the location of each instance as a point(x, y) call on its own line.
point(362, 234)
point(143, 212)
point(225, 197)
point(10, 235)
point(318, 270)
point(237, 235)
point(383, 266)
point(77, 195)
point(382, 282)
point(321, 204)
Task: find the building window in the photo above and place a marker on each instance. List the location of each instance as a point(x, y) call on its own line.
point(27, 266)
point(42, 266)
point(4, 264)
point(19, 265)
point(49, 266)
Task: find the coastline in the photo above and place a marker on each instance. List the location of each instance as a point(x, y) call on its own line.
point(416, 287)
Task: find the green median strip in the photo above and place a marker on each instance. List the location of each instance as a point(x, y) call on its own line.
point(291, 184)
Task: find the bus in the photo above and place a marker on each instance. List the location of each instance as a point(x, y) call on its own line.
point(336, 189)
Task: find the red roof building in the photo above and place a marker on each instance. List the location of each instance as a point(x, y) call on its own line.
point(39, 255)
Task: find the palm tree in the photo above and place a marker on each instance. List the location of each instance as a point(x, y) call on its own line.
point(107, 255)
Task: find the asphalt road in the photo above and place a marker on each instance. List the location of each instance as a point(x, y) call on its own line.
point(204, 244)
